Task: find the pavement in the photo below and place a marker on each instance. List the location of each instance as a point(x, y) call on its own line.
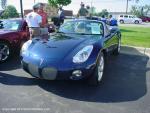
point(125, 88)
point(132, 50)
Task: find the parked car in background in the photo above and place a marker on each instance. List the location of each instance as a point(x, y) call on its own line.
point(77, 51)
point(129, 19)
point(13, 33)
point(145, 19)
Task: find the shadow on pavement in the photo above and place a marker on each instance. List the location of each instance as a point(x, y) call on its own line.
point(11, 64)
point(124, 80)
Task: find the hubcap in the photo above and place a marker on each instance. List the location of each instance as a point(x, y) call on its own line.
point(119, 45)
point(100, 68)
point(4, 52)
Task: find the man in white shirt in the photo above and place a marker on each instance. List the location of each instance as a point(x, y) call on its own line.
point(34, 21)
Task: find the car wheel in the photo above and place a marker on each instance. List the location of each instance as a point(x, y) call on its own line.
point(4, 51)
point(136, 22)
point(99, 71)
point(121, 21)
point(117, 50)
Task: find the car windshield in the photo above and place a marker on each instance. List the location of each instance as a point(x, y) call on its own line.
point(10, 25)
point(82, 27)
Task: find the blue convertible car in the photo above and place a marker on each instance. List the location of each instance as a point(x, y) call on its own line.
point(77, 51)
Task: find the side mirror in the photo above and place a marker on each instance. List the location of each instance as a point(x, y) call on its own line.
point(113, 29)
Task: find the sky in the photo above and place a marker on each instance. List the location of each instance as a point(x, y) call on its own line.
point(110, 5)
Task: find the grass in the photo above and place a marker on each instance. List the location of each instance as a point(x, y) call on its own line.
point(136, 36)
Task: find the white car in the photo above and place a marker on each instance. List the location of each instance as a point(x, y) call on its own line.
point(129, 19)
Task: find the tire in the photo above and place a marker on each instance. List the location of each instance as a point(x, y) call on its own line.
point(136, 22)
point(122, 21)
point(147, 21)
point(21, 44)
point(117, 50)
point(96, 78)
point(5, 51)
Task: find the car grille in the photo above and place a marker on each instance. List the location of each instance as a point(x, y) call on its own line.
point(48, 73)
point(33, 70)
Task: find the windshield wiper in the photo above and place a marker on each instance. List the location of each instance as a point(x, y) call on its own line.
point(61, 32)
point(87, 34)
point(83, 34)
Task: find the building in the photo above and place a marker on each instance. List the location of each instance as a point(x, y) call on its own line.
point(68, 13)
point(116, 14)
point(27, 11)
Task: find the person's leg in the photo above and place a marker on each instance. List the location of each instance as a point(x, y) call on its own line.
point(31, 33)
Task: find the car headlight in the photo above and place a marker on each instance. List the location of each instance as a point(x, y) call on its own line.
point(83, 54)
point(25, 46)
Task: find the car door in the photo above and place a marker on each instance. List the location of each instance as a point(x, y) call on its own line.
point(126, 19)
point(131, 19)
point(24, 32)
point(110, 41)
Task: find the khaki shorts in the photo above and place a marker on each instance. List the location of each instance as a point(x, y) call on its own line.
point(44, 31)
point(35, 32)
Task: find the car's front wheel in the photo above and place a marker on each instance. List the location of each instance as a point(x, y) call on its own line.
point(136, 22)
point(4, 51)
point(122, 21)
point(96, 78)
point(117, 50)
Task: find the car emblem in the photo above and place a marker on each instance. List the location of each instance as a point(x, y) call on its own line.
point(41, 61)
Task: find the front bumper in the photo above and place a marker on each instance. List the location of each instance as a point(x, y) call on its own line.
point(53, 71)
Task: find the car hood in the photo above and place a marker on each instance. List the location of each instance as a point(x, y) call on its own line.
point(137, 18)
point(2, 32)
point(59, 46)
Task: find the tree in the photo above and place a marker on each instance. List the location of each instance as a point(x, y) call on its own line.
point(136, 11)
point(103, 12)
point(58, 3)
point(10, 12)
point(128, 4)
point(140, 10)
point(93, 10)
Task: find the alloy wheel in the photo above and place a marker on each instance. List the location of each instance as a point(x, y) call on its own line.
point(4, 52)
point(119, 46)
point(100, 68)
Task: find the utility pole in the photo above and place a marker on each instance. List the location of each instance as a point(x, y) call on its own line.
point(21, 7)
point(127, 6)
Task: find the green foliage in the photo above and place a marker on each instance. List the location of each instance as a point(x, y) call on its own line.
point(58, 3)
point(140, 10)
point(103, 12)
point(10, 12)
point(92, 10)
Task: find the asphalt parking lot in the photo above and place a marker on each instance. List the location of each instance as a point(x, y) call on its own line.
point(125, 89)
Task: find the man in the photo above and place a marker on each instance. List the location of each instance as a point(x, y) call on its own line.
point(103, 19)
point(82, 11)
point(112, 21)
point(89, 11)
point(61, 15)
point(34, 21)
point(44, 29)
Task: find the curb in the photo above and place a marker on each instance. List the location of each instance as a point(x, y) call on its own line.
point(132, 50)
